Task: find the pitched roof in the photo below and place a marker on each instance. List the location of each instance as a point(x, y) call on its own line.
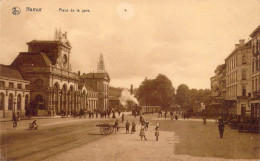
point(96, 76)
point(43, 41)
point(63, 42)
point(30, 58)
point(255, 31)
point(7, 71)
point(89, 88)
point(245, 46)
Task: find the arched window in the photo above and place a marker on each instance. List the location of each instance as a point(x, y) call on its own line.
point(38, 83)
point(19, 102)
point(2, 101)
point(10, 101)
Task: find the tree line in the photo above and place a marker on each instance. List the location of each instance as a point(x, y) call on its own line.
point(160, 92)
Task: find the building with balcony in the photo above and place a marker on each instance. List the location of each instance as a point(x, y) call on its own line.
point(14, 92)
point(238, 78)
point(255, 74)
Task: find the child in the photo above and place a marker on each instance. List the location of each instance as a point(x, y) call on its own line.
point(142, 134)
point(14, 124)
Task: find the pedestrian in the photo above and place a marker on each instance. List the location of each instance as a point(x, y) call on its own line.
point(135, 114)
point(204, 120)
point(165, 114)
point(133, 127)
point(171, 115)
point(116, 126)
point(123, 117)
point(127, 125)
point(52, 111)
point(221, 127)
point(141, 119)
point(49, 112)
point(34, 125)
point(108, 114)
point(14, 123)
point(146, 125)
point(89, 114)
point(92, 114)
point(114, 116)
point(157, 133)
point(176, 117)
point(142, 134)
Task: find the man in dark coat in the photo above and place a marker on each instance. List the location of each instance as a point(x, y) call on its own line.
point(116, 126)
point(133, 127)
point(127, 125)
point(221, 127)
point(123, 117)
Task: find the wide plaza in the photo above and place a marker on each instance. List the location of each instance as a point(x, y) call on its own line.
point(80, 139)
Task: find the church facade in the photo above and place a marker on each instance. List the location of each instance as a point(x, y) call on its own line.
point(52, 85)
point(99, 82)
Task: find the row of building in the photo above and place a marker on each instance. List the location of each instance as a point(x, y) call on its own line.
point(236, 84)
point(41, 81)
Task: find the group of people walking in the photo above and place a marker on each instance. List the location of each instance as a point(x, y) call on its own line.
point(144, 127)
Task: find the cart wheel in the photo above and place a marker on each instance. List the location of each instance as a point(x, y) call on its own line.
point(111, 130)
point(106, 130)
point(101, 130)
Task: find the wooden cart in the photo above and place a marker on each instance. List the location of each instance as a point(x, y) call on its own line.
point(106, 128)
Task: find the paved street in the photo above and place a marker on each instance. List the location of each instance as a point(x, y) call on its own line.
point(195, 139)
point(79, 139)
point(54, 136)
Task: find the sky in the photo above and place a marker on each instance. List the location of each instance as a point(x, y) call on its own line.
point(183, 39)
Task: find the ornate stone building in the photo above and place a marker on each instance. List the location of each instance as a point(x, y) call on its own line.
point(238, 78)
point(99, 82)
point(14, 92)
point(54, 87)
point(255, 75)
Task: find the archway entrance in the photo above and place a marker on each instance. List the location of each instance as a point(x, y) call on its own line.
point(38, 104)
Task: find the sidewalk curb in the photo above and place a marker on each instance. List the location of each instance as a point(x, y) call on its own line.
point(44, 117)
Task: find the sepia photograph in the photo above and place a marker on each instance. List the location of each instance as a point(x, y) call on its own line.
point(136, 80)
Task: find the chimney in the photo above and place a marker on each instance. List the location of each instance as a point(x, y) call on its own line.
point(131, 90)
point(241, 42)
point(236, 46)
point(79, 73)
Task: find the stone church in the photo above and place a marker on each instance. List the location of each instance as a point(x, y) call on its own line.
point(99, 82)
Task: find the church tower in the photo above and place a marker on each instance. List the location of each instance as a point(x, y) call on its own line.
point(101, 65)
